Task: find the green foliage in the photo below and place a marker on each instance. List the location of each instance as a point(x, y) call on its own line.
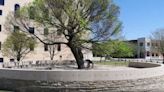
point(46, 31)
point(17, 45)
point(74, 19)
point(113, 63)
point(114, 49)
point(121, 49)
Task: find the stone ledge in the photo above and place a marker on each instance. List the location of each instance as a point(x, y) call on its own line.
point(81, 75)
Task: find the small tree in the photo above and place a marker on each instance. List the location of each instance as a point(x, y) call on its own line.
point(18, 45)
point(121, 49)
point(158, 39)
point(116, 48)
point(52, 49)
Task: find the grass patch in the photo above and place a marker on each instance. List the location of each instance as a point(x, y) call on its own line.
point(113, 63)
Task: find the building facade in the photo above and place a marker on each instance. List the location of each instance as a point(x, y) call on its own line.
point(147, 48)
point(41, 52)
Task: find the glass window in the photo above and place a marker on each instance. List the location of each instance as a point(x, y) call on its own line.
point(11, 60)
point(45, 31)
point(0, 28)
point(16, 28)
point(141, 44)
point(1, 59)
point(152, 54)
point(45, 47)
point(148, 53)
point(59, 47)
point(31, 12)
point(59, 33)
point(148, 44)
point(31, 30)
point(17, 7)
point(0, 12)
point(1, 2)
point(0, 45)
point(31, 47)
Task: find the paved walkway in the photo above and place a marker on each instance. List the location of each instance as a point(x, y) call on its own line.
point(155, 84)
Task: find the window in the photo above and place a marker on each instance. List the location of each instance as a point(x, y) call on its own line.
point(45, 31)
point(141, 44)
point(59, 47)
point(0, 12)
point(148, 44)
point(0, 45)
point(17, 7)
point(1, 59)
point(148, 53)
point(46, 13)
point(16, 28)
point(0, 28)
point(31, 47)
point(11, 60)
point(15, 47)
point(153, 55)
point(156, 54)
point(31, 12)
point(59, 32)
point(45, 47)
point(31, 30)
point(1, 2)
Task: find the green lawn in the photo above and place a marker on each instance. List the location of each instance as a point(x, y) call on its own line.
point(113, 63)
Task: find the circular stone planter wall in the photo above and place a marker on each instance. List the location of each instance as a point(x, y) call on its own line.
point(143, 65)
point(84, 75)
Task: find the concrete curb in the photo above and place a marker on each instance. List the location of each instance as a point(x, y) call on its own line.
point(81, 75)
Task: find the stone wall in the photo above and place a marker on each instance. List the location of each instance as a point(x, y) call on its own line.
point(81, 75)
point(24, 80)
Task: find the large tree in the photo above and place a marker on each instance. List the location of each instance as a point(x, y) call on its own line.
point(80, 22)
point(18, 45)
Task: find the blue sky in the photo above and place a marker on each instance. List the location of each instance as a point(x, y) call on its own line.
point(140, 17)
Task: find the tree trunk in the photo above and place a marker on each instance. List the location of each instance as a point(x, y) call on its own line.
point(101, 58)
point(77, 52)
point(52, 57)
point(52, 52)
point(18, 59)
